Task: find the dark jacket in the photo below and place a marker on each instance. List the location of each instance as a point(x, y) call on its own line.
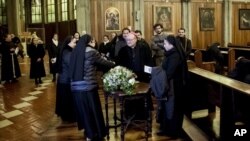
point(64, 76)
point(214, 54)
point(89, 82)
point(36, 68)
point(52, 51)
point(104, 48)
point(241, 71)
point(135, 59)
point(159, 84)
point(186, 45)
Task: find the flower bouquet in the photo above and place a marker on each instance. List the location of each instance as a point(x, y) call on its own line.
point(119, 78)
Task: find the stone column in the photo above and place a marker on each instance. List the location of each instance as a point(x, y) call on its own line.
point(138, 15)
point(227, 7)
point(83, 18)
point(186, 18)
point(13, 13)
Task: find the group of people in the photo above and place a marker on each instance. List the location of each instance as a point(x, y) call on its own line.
point(75, 61)
point(77, 84)
point(77, 98)
point(9, 49)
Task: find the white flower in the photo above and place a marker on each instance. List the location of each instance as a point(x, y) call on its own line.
point(132, 81)
point(119, 78)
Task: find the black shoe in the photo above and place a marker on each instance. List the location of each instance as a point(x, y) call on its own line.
point(40, 81)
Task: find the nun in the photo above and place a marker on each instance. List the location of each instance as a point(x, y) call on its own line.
point(64, 100)
point(172, 108)
point(84, 87)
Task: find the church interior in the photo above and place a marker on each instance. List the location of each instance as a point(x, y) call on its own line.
point(216, 101)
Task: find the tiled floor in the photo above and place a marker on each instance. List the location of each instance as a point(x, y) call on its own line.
point(27, 114)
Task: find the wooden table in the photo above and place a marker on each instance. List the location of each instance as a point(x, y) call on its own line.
point(141, 91)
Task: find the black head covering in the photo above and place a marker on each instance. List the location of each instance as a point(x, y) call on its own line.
point(64, 46)
point(176, 43)
point(78, 58)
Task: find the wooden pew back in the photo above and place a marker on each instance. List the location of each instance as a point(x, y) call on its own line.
point(226, 88)
point(198, 58)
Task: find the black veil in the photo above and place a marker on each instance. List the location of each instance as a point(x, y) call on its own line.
point(64, 46)
point(78, 58)
point(176, 43)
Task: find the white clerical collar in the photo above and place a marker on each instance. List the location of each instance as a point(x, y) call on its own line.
point(55, 42)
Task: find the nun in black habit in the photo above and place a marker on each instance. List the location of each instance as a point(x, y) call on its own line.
point(64, 99)
point(84, 87)
point(175, 67)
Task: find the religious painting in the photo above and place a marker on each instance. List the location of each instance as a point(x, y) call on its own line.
point(112, 19)
point(207, 20)
point(164, 16)
point(244, 19)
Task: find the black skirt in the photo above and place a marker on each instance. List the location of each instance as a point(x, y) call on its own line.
point(64, 103)
point(89, 113)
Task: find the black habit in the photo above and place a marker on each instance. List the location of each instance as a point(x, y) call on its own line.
point(175, 67)
point(10, 65)
point(52, 51)
point(37, 69)
point(64, 98)
point(84, 88)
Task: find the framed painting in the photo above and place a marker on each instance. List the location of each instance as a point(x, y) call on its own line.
point(206, 16)
point(164, 16)
point(112, 19)
point(244, 19)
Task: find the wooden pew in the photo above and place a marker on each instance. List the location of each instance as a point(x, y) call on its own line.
point(198, 59)
point(191, 55)
point(237, 46)
point(226, 89)
point(232, 52)
point(229, 58)
point(240, 50)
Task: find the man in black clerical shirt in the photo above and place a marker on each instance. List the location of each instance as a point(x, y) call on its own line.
point(185, 42)
point(134, 56)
